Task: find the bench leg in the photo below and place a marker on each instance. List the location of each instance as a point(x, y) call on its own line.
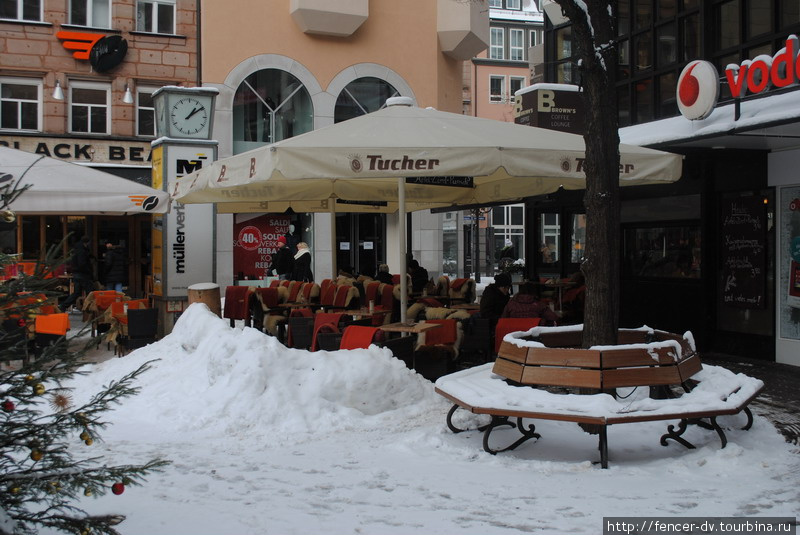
point(711, 425)
point(528, 433)
point(603, 447)
point(451, 425)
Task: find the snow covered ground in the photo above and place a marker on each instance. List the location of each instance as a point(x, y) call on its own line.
point(269, 440)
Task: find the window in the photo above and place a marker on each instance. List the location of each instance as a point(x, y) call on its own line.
point(270, 105)
point(89, 108)
point(534, 38)
point(549, 238)
point(21, 9)
point(145, 113)
point(513, 4)
point(497, 88)
point(155, 17)
point(95, 13)
point(362, 96)
point(20, 107)
point(516, 44)
point(664, 252)
point(515, 83)
point(496, 43)
point(496, 3)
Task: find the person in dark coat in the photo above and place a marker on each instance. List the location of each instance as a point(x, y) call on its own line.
point(116, 267)
point(495, 297)
point(283, 262)
point(525, 304)
point(383, 274)
point(302, 264)
point(80, 266)
point(419, 276)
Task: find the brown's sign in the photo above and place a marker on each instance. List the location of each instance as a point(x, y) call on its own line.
point(83, 150)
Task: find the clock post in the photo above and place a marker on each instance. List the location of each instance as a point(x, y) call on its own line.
point(183, 243)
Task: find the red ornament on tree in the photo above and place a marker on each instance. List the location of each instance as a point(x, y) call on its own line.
point(7, 405)
point(117, 488)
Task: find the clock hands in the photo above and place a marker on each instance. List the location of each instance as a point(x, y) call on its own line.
point(194, 111)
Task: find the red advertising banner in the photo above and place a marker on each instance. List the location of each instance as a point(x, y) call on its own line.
point(255, 242)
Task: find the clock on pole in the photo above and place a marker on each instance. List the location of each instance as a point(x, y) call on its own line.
point(183, 239)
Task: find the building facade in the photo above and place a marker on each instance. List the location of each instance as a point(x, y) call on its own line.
point(713, 253)
point(76, 78)
point(306, 64)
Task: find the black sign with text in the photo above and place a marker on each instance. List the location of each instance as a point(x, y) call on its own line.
point(449, 181)
point(743, 242)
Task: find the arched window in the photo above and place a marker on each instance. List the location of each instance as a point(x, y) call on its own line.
point(362, 96)
point(270, 105)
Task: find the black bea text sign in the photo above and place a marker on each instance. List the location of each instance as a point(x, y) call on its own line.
point(743, 242)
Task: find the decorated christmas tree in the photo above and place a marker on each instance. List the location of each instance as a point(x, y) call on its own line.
point(46, 461)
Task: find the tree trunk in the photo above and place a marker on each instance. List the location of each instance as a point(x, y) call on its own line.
point(593, 37)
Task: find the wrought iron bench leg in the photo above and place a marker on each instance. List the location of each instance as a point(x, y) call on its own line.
point(528, 433)
point(451, 425)
point(603, 447)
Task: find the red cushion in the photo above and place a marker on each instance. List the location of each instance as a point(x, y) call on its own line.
point(357, 337)
point(444, 335)
point(510, 325)
point(327, 322)
point(268, 296)
point(236, 302)
point(456, 284)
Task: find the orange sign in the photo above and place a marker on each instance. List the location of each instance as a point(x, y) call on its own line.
point(80, 42)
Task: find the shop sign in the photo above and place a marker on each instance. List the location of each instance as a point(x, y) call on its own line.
point(82, 150)
point(104, 52)
point(744, 260)
point(698, 85)
point(255, 242)
point(552, 106)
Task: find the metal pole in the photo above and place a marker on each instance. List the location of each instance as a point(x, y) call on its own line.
point(401, 212)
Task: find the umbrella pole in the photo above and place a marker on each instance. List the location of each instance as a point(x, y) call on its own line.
point(334, 267)
point(401, 212)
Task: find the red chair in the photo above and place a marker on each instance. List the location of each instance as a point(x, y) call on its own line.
point(275, 283)
point(294, 290)
point(327, 295)
point(358, 337)
point(444, 335)
point(387, 297)
point(371, 292)
point(49, 329)
point(510, 325)
point(325, 322)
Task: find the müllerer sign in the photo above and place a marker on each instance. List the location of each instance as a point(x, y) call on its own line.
point(552, 106)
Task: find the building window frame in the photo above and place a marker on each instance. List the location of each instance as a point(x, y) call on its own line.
point(22, 105)
point(533, 38)
point(145, 109)
point(497, 81)
point(93, 109)
point(498, 4)
point(514, 4)
point(516, 44)
point(497, 44)
point(511, 89)
point(24, 9)
point(90, 10)
point(150, 16)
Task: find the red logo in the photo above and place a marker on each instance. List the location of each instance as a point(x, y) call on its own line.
point(250, 238)
point(698, 90)
point(104, 52)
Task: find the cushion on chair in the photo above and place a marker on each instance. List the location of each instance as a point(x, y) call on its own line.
point(56, 324)
point(268, 297)
point(329, 321)
point(510, 325)
point(358, 337)
point(236, 302)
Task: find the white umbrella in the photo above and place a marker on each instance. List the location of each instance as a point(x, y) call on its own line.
point(407, 158)
point(59, 187)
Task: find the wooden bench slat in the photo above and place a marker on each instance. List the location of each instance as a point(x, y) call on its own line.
point(689, 367)
point(577, 377)
point(510, 351)
point(508, 369)
point(562, 338)
point(655, 376)
point(577, 358)
point(616, 358)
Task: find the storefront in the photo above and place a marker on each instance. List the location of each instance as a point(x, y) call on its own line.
point(31, 236)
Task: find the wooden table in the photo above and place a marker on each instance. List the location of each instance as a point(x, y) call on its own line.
point(365, 312)
point(409, 327)
point(466, 306)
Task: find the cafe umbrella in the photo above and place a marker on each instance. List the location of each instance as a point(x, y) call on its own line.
point(405, 158)
point(58, 187)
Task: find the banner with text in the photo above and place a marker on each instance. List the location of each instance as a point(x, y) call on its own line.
point(255, 244)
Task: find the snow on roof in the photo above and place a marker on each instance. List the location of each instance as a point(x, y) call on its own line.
point(755, 113)
point(551, 87)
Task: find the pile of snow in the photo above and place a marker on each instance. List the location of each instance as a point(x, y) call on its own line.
point(216, 380)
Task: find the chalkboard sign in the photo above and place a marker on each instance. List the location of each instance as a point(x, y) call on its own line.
point(744, 238)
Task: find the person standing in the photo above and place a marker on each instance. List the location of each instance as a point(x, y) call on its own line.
point(116, 267)
point(81, 271)
point(283, 263)
point(419, 276)
point(302, 264)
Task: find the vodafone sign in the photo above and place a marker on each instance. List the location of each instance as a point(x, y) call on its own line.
point(698, 85)
point(698, 90)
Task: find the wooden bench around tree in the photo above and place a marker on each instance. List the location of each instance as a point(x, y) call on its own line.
point(519, 384)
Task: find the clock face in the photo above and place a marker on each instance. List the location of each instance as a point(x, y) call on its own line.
point(189, 116)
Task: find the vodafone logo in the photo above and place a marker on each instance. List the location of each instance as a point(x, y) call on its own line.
point(698, 90)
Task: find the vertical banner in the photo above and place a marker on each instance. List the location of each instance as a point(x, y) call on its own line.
point(157, 228)
point(255, 243)
point(744, 258)
point(789, 264)
point(188, 251)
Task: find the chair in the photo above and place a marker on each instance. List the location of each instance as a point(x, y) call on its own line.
point(142, 330)
point(437, 349)
point(237, 304)
point(327, 295)
point(510, 325)
point(299, 330)
point(49, 329)
point(294, 290)
point(477, 343)
point(325, 322)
